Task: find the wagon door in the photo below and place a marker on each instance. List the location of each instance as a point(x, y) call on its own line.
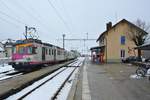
point(43, 53)
point(54, 54)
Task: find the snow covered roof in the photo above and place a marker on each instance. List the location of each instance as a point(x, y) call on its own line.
point(1, 49)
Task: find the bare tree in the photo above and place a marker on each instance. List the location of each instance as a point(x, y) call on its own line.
point(138, 34)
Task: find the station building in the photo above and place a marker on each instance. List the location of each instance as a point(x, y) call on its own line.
point(114, 43)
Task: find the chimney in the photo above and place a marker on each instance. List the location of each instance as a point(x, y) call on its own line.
point(108, 26)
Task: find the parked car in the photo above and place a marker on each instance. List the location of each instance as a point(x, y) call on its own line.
point(130, 59)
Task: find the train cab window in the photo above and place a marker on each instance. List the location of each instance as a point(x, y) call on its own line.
point(21, 50)
point(29, 50)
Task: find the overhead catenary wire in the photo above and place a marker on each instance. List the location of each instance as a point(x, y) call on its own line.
point(4, 20)
point(38, 17)
point(16, 17)
point(3, 2)
point(59, 15)
point(13, 18)
point(28, 13)
point(66, 13)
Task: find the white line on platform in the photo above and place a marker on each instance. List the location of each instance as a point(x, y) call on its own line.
point(85, 86)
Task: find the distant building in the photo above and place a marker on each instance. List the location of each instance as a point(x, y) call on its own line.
point(8, 49)
point(2, 52)
point(114, 43)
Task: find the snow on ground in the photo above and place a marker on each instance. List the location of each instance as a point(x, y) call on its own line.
point(7, 77)
point(134, 76)
point(66, 89)
point(46, 91)
point(81, 59)
point(5, 67)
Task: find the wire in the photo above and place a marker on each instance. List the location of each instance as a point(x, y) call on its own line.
point(28, 13)
point(38, 17)
point(66, 12)
point(60, 17)
point(12, 18)
point(9, 22)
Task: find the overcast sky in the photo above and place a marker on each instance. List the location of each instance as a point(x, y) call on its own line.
point(71, 17)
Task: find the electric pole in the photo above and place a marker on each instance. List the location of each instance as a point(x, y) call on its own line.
point(78, 39)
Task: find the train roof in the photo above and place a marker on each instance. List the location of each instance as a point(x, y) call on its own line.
point(30, 40)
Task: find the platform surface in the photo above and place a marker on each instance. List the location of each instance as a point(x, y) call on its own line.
point(110, 82)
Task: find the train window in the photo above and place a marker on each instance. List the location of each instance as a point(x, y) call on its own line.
point(49, 51)
point(21, 50)
point(46, 51)
point(34, 50)
point(29, 50)
point(52, 52)
point(58, 52)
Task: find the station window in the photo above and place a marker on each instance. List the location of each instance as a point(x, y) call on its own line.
point(122, 53)
point(122, 40)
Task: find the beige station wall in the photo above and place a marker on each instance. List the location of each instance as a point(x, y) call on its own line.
point(114, 45)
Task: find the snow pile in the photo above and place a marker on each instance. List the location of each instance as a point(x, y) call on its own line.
point(5, 67)
point(1, 49)
point(134, 76)
point(81, 59)
point(148, 71)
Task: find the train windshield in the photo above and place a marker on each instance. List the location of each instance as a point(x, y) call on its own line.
point(31, 50)
point(21, 50)
point(25, 50)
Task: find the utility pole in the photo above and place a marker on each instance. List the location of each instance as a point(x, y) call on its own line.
point(78, 39)
point(63, 41)
point(87, 35)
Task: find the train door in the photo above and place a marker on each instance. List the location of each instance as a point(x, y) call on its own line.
point(43, 53)
point(54, 54)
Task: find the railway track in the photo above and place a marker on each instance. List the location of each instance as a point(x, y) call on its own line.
point(32, 91)
point(9, 74)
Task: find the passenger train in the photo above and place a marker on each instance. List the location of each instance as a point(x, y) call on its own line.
point(33, 53)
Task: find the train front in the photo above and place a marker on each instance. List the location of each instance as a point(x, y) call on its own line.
point(23, 56)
